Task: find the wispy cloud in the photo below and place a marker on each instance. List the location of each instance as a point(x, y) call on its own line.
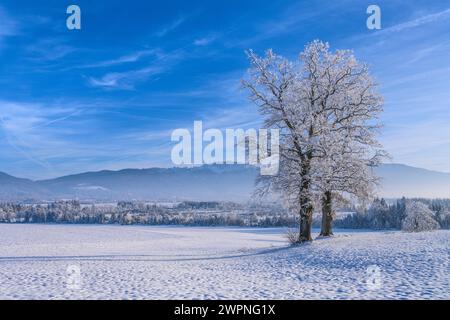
point(430, 18)
point(170, 27)
point(129, 58)
point(425, 52)
point(205, 40)
point(8, 26)
point(49, 49)
point(285, 22)
point(89, 128)
point(126, 80)
point(51, 136)
point(27, 128)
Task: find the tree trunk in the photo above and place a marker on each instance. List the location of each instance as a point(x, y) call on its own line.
point(306, 214)
point(306, 207)
point(327, 214)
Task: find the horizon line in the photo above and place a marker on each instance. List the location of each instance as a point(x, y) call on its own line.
point(182, 167)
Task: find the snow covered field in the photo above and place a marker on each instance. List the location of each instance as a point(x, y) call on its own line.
point(143, 262)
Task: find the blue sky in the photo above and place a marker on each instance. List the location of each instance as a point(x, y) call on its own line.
point(109, 95)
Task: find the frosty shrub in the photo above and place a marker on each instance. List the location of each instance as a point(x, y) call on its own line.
point(292, 236)
point(418, 218)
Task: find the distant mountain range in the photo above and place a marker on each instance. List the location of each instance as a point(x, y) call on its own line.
point(212, 182)
point(400, 180)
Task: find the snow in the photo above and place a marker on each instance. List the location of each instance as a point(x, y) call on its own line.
point(143, 262)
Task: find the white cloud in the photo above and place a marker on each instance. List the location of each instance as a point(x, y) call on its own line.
point(49, 49)
point(129, 58)
point(416, 22)
point(172, 26)
point(127, 79)
point(289, 20)
point(29, 128)
point(204, 41)
point(8, 26)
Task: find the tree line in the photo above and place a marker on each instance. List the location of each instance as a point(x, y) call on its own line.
point(380, 215)
point(403, 214)
point(185, 213)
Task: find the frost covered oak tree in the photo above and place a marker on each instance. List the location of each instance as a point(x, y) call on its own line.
point(324, 105)
point(345, 171)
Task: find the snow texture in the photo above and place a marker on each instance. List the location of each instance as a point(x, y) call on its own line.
point(142, 262)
